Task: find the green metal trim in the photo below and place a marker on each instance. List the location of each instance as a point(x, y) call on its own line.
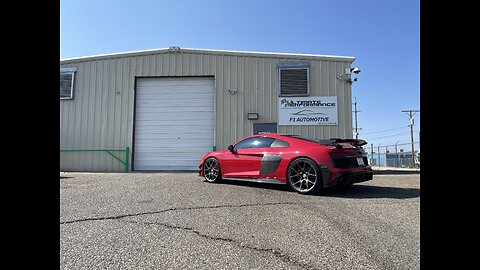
point(91, 150)
point(115, 157)
point(127, 155)
point(108, 151)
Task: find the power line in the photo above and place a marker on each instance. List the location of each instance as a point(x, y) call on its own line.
point(376, 138)
point(390, 141)
point(381, 131)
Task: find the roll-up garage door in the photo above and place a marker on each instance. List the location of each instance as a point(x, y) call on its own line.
point(174, 121)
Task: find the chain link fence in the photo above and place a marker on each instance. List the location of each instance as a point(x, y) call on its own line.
point(396, 155)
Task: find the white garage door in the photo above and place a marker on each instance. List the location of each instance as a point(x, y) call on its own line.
point(173, 122)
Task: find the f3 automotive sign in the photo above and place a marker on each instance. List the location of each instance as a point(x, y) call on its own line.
point(311, 111)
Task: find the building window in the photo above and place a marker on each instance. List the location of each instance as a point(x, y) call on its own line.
point(67, 81)
point(294, 78)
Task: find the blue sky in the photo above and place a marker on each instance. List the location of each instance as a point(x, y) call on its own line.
point(384, 36)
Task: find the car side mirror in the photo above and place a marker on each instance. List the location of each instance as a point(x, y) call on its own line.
point(231, 149)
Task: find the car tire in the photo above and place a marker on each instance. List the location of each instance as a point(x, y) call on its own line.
point(212, 171)
point(303, 176)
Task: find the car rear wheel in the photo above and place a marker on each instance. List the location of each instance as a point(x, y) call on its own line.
point(211, 170)
point(304, 176)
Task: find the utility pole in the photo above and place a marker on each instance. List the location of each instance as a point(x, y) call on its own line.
point(386, 154)
point(379, 155)
point(356, 119)
point(396, 155)
point(410, 114)
point(372, 154)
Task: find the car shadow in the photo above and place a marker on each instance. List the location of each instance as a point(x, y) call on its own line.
point(65, 177)
point(257, 185)
point(394, 172)
point(356, 191)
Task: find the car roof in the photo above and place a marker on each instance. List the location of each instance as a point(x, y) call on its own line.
point(286, 137)
point(271, 135)
point(326, 142)
point(275, 135)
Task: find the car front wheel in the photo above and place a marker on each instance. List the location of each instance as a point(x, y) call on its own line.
point(304, 176)
point(211, 170)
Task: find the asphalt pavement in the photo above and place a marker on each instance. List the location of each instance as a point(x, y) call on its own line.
point(178, 221)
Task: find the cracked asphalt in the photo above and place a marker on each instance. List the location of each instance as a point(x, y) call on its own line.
point(178, 221)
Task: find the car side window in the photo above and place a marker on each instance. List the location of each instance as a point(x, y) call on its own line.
point(279, 143)
point(255, 142)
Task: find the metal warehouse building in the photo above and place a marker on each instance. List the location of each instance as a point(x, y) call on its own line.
point(164, 109)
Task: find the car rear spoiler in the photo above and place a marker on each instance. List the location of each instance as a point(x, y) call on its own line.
point(336, 141)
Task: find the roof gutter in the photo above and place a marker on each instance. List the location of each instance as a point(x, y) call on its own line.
point(208, 51)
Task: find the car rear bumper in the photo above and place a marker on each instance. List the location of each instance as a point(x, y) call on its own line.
point(349, 177)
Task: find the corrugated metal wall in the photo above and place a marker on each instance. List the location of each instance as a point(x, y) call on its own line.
point(101, 114)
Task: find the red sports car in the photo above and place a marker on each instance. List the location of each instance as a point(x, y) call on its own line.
point(306, 164)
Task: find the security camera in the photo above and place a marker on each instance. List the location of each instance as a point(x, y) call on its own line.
point(355, 70)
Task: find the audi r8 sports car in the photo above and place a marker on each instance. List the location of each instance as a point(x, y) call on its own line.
point(308, 165)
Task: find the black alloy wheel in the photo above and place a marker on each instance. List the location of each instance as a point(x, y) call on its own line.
point(303, 176)
point(211, 170)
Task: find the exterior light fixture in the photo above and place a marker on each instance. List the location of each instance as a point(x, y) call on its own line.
point(355, 70)
point(252, 116)
point(348, 75)
point(174, 49)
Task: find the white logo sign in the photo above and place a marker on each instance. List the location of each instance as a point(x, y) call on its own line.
point(309, 111)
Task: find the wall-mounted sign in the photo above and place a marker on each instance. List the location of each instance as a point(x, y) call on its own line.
point(311, 111)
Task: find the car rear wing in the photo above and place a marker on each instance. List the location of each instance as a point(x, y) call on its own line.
point(337, 141)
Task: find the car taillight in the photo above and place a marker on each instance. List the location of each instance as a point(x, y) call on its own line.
point(333, 153)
